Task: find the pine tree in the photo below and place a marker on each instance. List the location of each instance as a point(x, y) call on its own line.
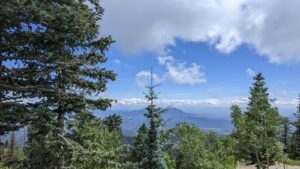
point(154, 158)
point(285, 139)
point(295, 147)
point(139, 148)
point(15, 79)
point(93, 145)
point(113, 122)
point(257, 128)
point(58, 52)
point(40, 135)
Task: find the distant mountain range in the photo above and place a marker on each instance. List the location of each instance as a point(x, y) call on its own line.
point(132, 120)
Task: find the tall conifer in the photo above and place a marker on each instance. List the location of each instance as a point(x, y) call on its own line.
point(257, 128)
point(295, 149)
point(113, 122)
point(154, 158)
point(56, 53)
point(139, 148)
point(17, 53)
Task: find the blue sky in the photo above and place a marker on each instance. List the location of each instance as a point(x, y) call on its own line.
point(227, 76)
point(203, 52)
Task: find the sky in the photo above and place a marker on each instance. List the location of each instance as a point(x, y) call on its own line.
point(203, 53)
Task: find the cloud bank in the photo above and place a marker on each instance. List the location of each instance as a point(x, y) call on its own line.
point(270, 27)
point(241, 101)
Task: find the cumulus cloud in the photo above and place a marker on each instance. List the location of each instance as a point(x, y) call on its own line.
point(250, 72)
point(268, 26)
point(180, 72)
point(143, 78)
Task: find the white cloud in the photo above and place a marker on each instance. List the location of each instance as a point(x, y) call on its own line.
point(136, 101)
point(269, 26)
point(164, 59)
point(286, 103)
point(226, 102)
point(117, 62)
point(250, 72)
point(133, 101)
point(180, 73)
point(143, 78)
point(239, 101)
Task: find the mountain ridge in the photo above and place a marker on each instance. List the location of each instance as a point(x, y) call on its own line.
point(133, 119)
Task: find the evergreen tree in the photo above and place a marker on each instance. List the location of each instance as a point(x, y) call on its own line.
point(39, 150)
point(154, 157)
point(16, 79)
point(139, 148)
point(256, 130)
point(198, 150)
point(93, 145)
point(57, 51)
point(295, 147)
point(285, 139)
point(113, 122)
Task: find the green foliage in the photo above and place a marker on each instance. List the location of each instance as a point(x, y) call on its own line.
point(40, 149)
point(140, 148)
point(11, 155)
point(57, 56)
point(13, 80)
point(295, 141)
point(170, 161)
point(286, 130)
point(286, 135)
point(154, 156)
point(113, 122)
point(93, 145)
point(256, 130)
point(4, 167)
point(200, 150)
point(96, 148)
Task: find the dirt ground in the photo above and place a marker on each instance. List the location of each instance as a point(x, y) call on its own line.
point(280, 166)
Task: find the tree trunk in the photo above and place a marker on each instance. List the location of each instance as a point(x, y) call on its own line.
point(258, 161)
point(61, 120)
point(61, 125)
point(268, 163)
